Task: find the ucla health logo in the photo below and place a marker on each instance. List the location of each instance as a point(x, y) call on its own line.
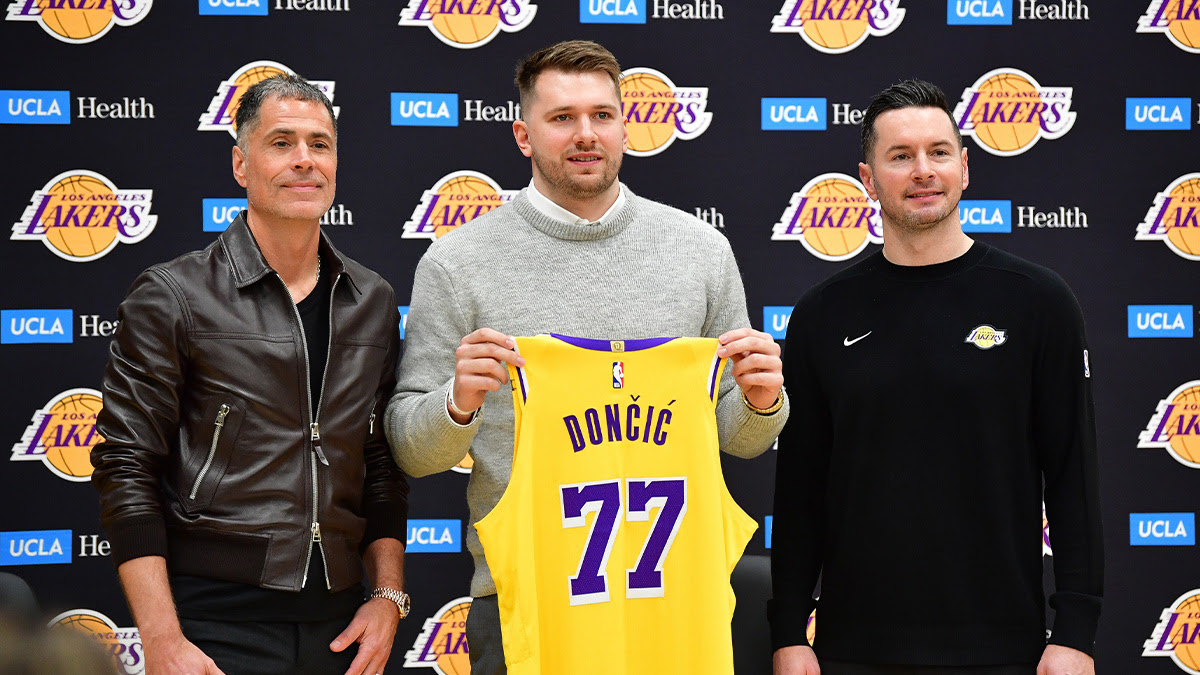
point(80, 216)
point(233, 7)
point(35, 107)
point(1179, 19)
point(979, 12)
point(776, 319)
point(1006, 111)
point(657, 111)
point(1158, 114)
point(442, 644)
point(79, 21)
point(454, 200)
point(223, 108)
point(985, 215)
point(35, 547)
point(24, 326)
point(837, 26)
point(467, 24)
point(1177, 634)
point(434, 536)
point(1160, 321)
point(1175, 426)
point(1162, 529)
point(793, 114)
point(424, 110)
point(833, 218)
point(62, 434)
point(612, 11)
point(124, 645)
point(1172, 218)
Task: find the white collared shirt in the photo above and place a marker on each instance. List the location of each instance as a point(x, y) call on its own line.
point(542, 203)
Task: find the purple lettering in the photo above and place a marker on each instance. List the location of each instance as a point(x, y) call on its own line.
point(1158, 437)
point(576, 434)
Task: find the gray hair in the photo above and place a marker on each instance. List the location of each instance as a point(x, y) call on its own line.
point(292, 87)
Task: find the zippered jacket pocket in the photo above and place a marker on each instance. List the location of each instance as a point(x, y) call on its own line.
point(212, 449)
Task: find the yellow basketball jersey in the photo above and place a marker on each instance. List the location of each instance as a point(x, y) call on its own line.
point(612, 546)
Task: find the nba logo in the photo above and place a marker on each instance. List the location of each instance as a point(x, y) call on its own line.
point(618, 374)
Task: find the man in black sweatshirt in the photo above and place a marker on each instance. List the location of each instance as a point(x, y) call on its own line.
point(940, 392)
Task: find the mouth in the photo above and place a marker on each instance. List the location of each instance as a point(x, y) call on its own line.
point(923, 196)
point(303, 186)
point(585, 158)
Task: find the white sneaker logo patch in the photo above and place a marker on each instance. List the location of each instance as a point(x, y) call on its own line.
point(847, 341)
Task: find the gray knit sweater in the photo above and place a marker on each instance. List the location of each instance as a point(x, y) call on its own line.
point(648, 270)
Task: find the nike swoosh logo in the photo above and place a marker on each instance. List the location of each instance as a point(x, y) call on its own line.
point(847, 341)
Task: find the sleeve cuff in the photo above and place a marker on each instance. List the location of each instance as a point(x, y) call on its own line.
point(1076, 616)
point(789, 623)
point(137, 537)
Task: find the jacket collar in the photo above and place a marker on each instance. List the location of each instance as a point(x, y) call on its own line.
point(246, 261)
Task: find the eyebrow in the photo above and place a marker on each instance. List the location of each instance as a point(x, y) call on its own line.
point(568, 108)
point(288, 131)
point(906, 146)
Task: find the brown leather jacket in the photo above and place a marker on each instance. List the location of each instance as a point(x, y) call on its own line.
point(212, 457)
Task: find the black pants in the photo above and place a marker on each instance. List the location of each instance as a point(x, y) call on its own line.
point(254, 648)
point(843, 668)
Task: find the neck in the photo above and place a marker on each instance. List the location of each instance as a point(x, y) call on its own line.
point(945, 241)
point(290, 248)
point(588, 208)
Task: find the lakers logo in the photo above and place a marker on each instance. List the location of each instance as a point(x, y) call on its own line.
point(1045, 533)
point(1179, 19)
point(1173, 217)
point(467, 24)
point(442, 644)
point(124, 645)
point(657, 112)
point(811, 629)
point(986, 337)
point(81, 215)
point(79, 21)
point(454, 200)
point(62, 434)
point(465, 466)
point(833, 218)
point(1007, 111)
point(222, 110)
point(837, 26)
point(1175, 426)
point(1177, 633)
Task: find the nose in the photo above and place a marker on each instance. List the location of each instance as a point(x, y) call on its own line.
point(302, 157)
point(585, 134)
point(922, 168)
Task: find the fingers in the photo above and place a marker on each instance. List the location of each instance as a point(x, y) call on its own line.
point(211, 669)
point(353, 632)
point(505, 343)
point(746, 341)
point(480, 366)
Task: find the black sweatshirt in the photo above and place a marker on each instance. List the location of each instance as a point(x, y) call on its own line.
point(929, 406)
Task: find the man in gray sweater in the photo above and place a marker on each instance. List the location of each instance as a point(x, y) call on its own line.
point(575, 253)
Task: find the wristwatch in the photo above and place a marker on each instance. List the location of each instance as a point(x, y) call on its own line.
point(399, 597)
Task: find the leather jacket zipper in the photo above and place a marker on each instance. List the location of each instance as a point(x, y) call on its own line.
point(212, 450)
point(314, 425)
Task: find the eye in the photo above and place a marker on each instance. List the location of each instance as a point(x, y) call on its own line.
point(562, 118)
point(280, 143)
point(900, 157)
point(603, 115)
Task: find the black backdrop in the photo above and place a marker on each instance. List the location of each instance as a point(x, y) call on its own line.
point(175, 57)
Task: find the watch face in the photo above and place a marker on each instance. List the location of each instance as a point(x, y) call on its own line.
point(404, 605)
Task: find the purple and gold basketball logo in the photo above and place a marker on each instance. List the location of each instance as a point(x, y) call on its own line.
point(80, 216)
point(837, 26)
point(1006, 111)
point(467, 24)
point(465, 465)
point(62, 434)
point(833, 218)
point(1173, 218)
point(657, 111)
point(442, 644)
point(811, 629)
point(124, 645)
point(1179, 19)
point(78, 22)
point(222, 110)
point(1175, 426)
point(1045, 533)
point(985, 337)
point(1177, 633)
point(454, 200)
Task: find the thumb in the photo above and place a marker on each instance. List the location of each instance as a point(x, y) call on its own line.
point(349, 636)
point(212, 669)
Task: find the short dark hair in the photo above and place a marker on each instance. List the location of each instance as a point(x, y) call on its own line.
point(572, 56)
point(291, 87)
point(906, 94)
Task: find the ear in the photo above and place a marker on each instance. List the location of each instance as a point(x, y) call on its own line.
point(239, 166)
point(868, 179)
point(521, 135)
point(966, 174)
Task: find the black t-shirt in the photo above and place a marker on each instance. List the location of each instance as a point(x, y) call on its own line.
point(218, 600)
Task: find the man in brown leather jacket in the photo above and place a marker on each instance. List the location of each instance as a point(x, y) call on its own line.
point(245, 480)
